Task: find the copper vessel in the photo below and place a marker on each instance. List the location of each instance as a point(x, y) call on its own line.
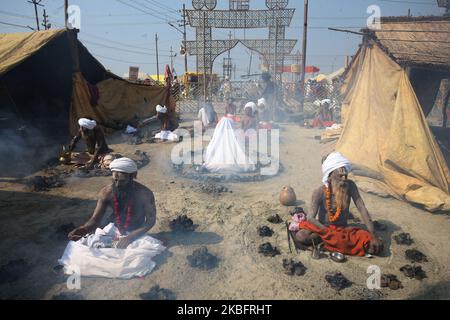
point(287, 196)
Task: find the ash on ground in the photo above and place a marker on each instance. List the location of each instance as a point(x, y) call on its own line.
point(182, 223)
point(43, 183)
point(213, 189)
point(67, 296)
point(265, 231)
point(268, 250)
point(293, 268)
point(14, 270)
point(63, 230)
point(337, 281)
point(202, 259)
point(157, 293)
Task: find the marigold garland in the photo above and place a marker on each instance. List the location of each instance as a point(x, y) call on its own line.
point(332, 217)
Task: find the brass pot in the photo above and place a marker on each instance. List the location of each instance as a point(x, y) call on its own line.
point(287, 196)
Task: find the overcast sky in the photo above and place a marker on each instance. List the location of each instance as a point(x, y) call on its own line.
point(121, 33)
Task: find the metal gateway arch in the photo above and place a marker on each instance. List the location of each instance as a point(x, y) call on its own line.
point(204, 18)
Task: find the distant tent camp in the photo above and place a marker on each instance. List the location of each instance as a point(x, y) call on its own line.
point(51, 76)
point(385, 131)
point(48, 79)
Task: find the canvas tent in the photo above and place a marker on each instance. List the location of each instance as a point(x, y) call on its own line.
point(385, 131)
point(48, 79)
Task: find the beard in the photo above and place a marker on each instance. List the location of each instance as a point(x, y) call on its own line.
point(122, 190)
point(341, 193)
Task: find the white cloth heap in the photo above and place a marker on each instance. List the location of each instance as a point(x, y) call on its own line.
point(262, 102)
point(161, 109)
point(334, 161)
point(86, 123)
point(125, 165)
point(225, 153)
point(94, 256)
point(167, 135)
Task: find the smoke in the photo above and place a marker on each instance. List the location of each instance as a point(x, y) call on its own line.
point(24, 148)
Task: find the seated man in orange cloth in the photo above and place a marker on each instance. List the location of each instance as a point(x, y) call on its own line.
point(328, 218)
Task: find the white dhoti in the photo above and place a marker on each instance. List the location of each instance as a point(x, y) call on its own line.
point(94, 256)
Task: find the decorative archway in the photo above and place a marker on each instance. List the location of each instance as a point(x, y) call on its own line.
point(204, 18)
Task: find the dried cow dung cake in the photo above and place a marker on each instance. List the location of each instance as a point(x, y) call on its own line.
point(413, 272)
point(267, 250)
point(157, 293)
point(293, 268)
point(337, 281)
point(390, 281)
point(275, 219)
point(202, 259)
point(403, 239)
point(414, 255)
point(182, 223)
point(265, 231)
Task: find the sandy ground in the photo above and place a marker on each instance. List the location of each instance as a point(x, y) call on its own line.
point(227, 226)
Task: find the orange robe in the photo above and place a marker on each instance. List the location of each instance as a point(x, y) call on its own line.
point(350, 241)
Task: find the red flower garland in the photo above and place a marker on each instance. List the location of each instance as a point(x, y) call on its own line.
point(117, 215)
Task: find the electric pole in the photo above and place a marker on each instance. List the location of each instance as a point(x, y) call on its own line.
point(36, 3)
point(66, 14)
point(172, 55)
point(185, 39)
point(45, 24)
point(157, 57)
point(305, 34)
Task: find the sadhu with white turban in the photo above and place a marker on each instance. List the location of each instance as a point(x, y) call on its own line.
point(95, 140)
point(133, 205)
point(250, 120)
point(327, 221)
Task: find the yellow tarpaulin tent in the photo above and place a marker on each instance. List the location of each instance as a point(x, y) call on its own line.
point(385, 131)
point(17, 47)
point(119, 101)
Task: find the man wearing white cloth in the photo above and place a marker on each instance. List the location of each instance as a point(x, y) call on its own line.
point(167, 127)
point(133, 215)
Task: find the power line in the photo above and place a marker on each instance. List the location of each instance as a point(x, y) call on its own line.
point(119, 60)
point(139, 9)
point(16, 25)
point(12, 14)
point(411, 2)
point(121, 49)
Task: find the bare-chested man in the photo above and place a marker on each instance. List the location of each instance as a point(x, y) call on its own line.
point(95, 140)
point(250, 120)
point(133, 205)
point(330, 207)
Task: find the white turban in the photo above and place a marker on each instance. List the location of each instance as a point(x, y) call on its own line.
point(125, 165)
point(261, 102)
point(251, 105)
point(86, 123)
point(325, 101)
point(161, 109)
point(334, 161)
